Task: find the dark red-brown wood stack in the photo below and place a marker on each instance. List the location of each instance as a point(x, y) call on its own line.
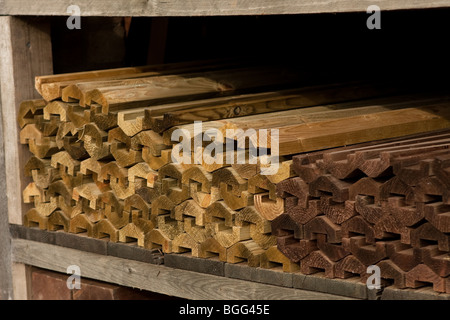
point(384, 204)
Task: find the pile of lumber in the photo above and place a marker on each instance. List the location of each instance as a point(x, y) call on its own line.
point(101, 164)
point(384, 204)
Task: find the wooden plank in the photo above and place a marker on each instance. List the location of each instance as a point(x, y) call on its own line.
point(270, 276)
point(160, 118)
point(321, 127)
point(6, 285)
point(318, 282)
point(187, 262)
point(205, 7)
point(79, 86)
point(155, 278)
point(133, 93)
point(425, 293)
point(23, 42)
point(388, 124)
point(53, 86)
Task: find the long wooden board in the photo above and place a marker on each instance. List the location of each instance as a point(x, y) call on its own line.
point(51, 86)
point(205, 8)
point(315, 128)
point(155, 278)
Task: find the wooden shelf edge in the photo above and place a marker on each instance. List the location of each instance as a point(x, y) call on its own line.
point(155, 278)
point(205, 8)
point(275, 284)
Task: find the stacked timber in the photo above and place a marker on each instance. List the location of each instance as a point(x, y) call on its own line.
point(383, 204)
point(102, 145)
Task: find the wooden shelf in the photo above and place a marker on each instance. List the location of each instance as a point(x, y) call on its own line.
point(184, 276)
point(155, 278)
point(205, 8)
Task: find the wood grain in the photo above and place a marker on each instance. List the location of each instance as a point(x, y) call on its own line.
point(205, 8)
point(155, 278)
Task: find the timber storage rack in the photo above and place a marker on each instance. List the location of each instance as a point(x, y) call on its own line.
point(357, 91)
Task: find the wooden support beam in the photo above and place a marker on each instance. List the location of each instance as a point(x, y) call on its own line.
point(151, 277)
point(179, 8)
point(24, 42)
point(6, 267)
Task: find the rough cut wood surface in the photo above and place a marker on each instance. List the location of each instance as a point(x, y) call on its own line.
point(205, 8)
point(162, 279)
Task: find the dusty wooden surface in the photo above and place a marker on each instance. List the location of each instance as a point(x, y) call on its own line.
point(161, 279)
point(204, 7)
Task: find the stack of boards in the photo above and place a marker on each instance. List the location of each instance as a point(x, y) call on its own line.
point(363, 175)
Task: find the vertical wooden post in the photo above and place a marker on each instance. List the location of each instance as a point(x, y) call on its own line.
point(25, 52)
point(6, 289)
